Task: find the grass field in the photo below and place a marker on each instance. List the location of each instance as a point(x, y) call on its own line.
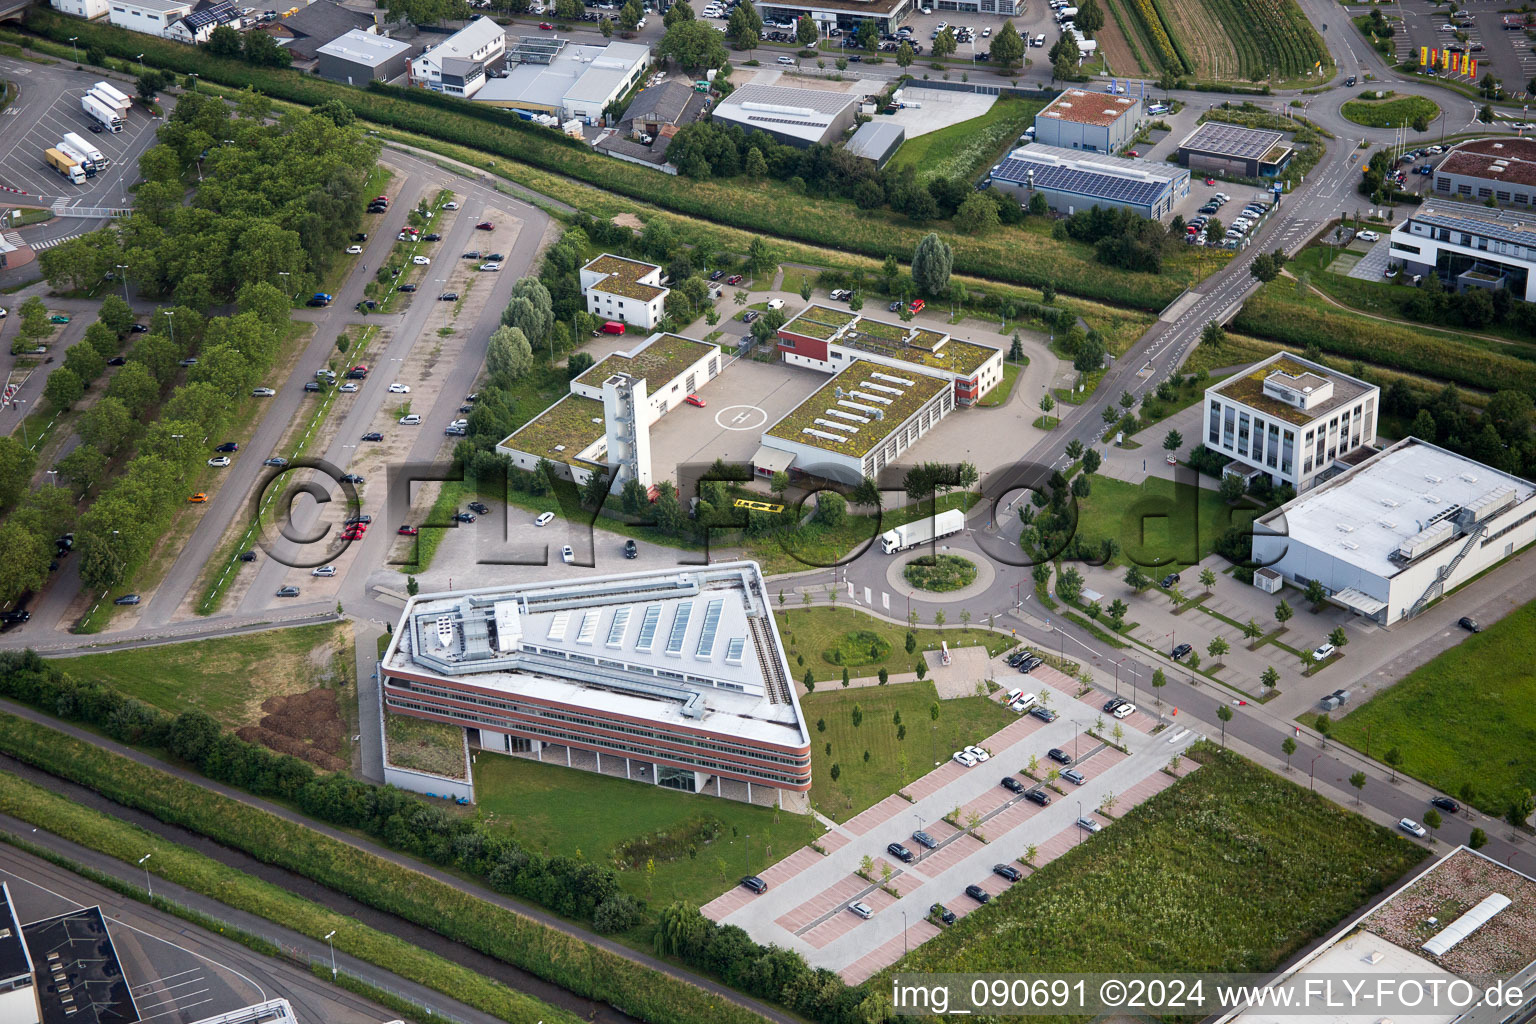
point(1390, 111)
point(964, 150)
point(582, 814)
point(228, 677)
point(1466, 718)
point(426, 746)
point(810, 634)
point(1158, 522)
point(1231, 869)
point(812, 545)
point(1000, 394)
point(892, 762)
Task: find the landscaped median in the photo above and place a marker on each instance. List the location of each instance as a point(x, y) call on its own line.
point(555, 956)
point(176, 863)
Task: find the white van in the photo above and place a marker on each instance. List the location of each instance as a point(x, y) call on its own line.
point(1039, 40)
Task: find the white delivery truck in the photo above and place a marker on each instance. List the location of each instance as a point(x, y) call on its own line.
point(78, 157)
point(922, 531)
point(79, 145)
point(105, 115)
point(112, 95)
point(65, 165)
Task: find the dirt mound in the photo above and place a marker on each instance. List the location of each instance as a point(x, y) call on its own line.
point(307, 725)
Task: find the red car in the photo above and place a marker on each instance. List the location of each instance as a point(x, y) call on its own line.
point(352, 533)
point(407, 531)
point(917, 305)
point(733, 279)
point(1210, 181)
point(1132, 153)
point(485, 225)
point(381, 199)
point(546, 26)
point(695, 400)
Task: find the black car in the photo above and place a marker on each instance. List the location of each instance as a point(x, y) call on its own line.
point(749, 316)
point(717, 275)
point(16, 617)
point(1031, 663)
point(247, 556)
point(978, 894)
point(117, 361)
point(1170, 580)
point(95, 127)
point(1059, 756)
point(128, 599)
point(1043, 713)
point(138, 329)
point(466, 408)
point(900, 852)
point(1181, 651)
point(367, 304)
point(473, 254)
point(448, 297)
point(1445, 803)
point(351, 478)
point(1007, 871)
point(754, 883)
point(1113, 703)
point(407, 287)
point(894, 307)
point(925, 840)
point(1038, 796)
point(311, 385)
point(944, 913)
point(361, 236)
point(373, 435)
point(228, 446)
point(433, 237)
point(288, 592)
point(1469, 624)
point(315, 303)
point(631, 549)
point(464, 517)
point(1012, 784)
point(480, 508)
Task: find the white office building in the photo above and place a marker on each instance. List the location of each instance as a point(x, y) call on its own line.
point(619, 288)
point(1387, 537)
point(457, 65)
point(1290, 419)
point(1469, 246)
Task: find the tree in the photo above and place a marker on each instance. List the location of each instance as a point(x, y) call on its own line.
point(867, 35)
point(759, 256)
point(677, 13)
point(1433, 821)
point(1173, 441)
point(904, 55)
point(1217, 648)
point(1207, 578)
point(1269, 677)
point(629, 16)
point(931, 264)
point(1224, 713)
point(1136, 579)
point(531, 309)
point(1520, 809)
point(944, 45)
point(1074, 450)
point(1263, 268)
point(1338, 637)
point(1324, 726)
point(1231, 487)
point(63, 388)
point(1008, 46)
point(82, 467)
point(805, 32)
point(858, 715)
point(693, 44)
point(225, 42)
point(1358, 781)
point(1289, 747)
point(262, 50)
point(744, 27)
point(1477, 839)
point(1117, 613)
point(831, 509)
point(1213, 336)
point(1064, 63)
point(1283, 612)
point(508, 356)
point(977, 215)
point(911, 644)
point(1159, 680)
point(1047, 403)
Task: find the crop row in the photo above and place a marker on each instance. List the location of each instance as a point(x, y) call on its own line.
point(1152, 23)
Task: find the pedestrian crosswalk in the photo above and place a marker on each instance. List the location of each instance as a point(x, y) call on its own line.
point(50, 243)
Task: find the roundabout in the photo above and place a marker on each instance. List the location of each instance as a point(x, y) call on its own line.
point(981, 574)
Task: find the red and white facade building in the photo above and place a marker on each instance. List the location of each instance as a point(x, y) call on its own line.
point(671, 677)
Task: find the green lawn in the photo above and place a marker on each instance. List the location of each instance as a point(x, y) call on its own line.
point(1234, 868)
point(228, 677)
point(1004, 390)
point(811, 635)
point(560, 810)
point(1157, 522)
point(1466, 718)
point(424, 745)
point(964, 150)
point(892, 762)
point(1390, 112)
point(812, 545)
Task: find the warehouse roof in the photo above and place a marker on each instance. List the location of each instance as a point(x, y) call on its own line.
point(876, 139)
point(624, 277)
point(325, 20)
point(664, 102)
point(1238, 141)
point(1513, 226)
point(1079, 106)
point(1112, 178)
point(857, 409)
point(364, 48)
point(805, 113)
point(1505, 159)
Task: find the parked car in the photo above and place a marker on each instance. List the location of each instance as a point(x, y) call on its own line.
point(900, 852)
point(1181, 651)
point(978, 894)
point(276, 460)
point(1113, 703)
point(373, 435)
point(464, 517)
point(1043, 713)
point(567, 555)
point(943, 913)
point(1038, 796)
point(733, 279)
point(1469, 624)
point(1059, 756)
point(862, 909)
point(262, 393)
point(351, 478)
point(323, 571)
point(1088, 825)
point(1012, 784)
point(1171, 580)
point(1324, 652)
point(288, 592)
point(219, 461)
point(1412, 827)
point(126, 599)
point(979, 754)
point(717, 275)
point(695, 400)
point(448, 297)
point(1369, 236)
point(485, 225)
point(1074, 776)
point(961, 757)
point(1007, 871)
point(399, 389)
point(757, 885)
point(1445, 803)
point(1125, 710)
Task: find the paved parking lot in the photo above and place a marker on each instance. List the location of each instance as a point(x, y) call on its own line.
point(22, 166)
point(1505, 53)
point(805, 907)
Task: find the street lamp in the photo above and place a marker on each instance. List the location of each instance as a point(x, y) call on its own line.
point(287, 286)
point(55, 474)
point(1117, 675)
point(329, 936)
point(147, 883)
point(748, 847)
point(18, 403)
point(904, 947)
point(171, 323)
point(193, 76)
point(1310, 768)
point(141, 63)
point(75, 48)
point(124, 268)
point(1079, 818)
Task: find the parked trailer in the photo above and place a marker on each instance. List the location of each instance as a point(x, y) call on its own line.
point(65, 165)
point(110, 92)
point(78, 157)
point(79, 145)
point(922, 531)
point(107, 116)
point(112, 103)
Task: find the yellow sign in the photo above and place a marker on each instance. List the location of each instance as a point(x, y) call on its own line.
point(758, 506)
point(1423, 55)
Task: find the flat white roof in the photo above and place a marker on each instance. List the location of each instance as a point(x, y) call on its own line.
point(687, 647)
point(803, 113)
point(364, 47)
point(467, 40)
point(580, 71)
point(1363, 515)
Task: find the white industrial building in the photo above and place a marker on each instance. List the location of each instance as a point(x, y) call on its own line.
point(82, 8)
point(1469, 246)
point(1073, 180)
point(457, 65)
point(1080, 119)
point(619, 288)
point(152, 17)
point(1290, 419)
point(551, 76)
point(1394, 533)
point(793, 116)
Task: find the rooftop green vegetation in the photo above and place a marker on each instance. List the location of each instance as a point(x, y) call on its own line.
point(1245, 867)
point(880, 330)
point(624, 277)
point(656, 363)
point(562, 431)
point(960, 357)
point(1248, 388)
point(861, 438)
point(424, 746)
point(812, 328)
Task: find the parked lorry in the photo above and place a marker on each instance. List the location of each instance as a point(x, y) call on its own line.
point(106, 116)
point(66, 166)
point(79, 145)
point(113, 96)
point(78, 157)
point(922, 531)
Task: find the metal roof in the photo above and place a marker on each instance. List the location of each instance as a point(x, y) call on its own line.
point(1231, 140)
point(875, 139)
point(1513, 226)
point(14, 962)
point(364, 48)
point(1138, 182)
point(806, 113)
point(81, 979)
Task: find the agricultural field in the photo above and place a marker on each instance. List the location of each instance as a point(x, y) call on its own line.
point(1230, 40)
point(1121, 41)
point(1233, 868)
point(1487, 743)
point(1391, 111)
point(897, 753)
point(966, 149)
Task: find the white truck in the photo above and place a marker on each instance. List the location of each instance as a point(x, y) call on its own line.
point(79, 145)
point(107, 116)
point(922, 531)
point(78, 157)
point(113, 96)
point(65, 165)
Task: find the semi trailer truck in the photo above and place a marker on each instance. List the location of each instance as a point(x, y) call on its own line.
point(106, 116)
point(922, 531)
point(78, 157)
point(65, 165)
point(79, 145)
point(112, 95)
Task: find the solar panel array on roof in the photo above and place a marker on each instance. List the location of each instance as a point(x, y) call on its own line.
point(215, 15)
point(1135, 191)
point(1504, 225)
point(1231, 140)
